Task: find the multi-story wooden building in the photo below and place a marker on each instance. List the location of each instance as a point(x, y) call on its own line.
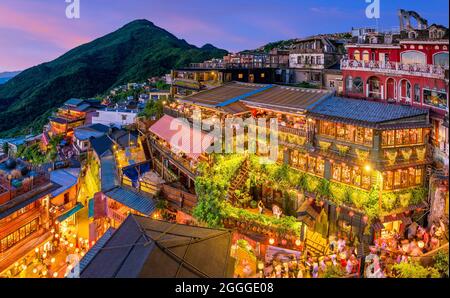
point(242, 67)
point(74, 113)
point(25, 195)
point(355, 144)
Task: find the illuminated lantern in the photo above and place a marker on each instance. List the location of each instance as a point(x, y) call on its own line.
point(298, 242)
point(338, 209)
point(365, 218)
point(284, 242)
point(53, 260)
point(34, 270)
point(271, 241)
point(55, 275)
point(322, 203)
point(421, 244)
point(351, 214)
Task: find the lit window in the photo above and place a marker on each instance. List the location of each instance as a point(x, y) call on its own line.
point(240, 76)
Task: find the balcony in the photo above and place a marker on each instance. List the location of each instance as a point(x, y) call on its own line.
point(396, 68)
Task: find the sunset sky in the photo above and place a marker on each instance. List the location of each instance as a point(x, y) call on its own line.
point(36, 31)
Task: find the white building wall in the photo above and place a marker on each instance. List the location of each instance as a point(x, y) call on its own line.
point(117, 118)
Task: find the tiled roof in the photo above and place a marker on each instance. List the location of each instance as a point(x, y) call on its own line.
point(132, 199)
point(108, 171)
point(288, 99)
point(101, 145)
point(214, 97)
point(73, 102)
point(92, 252)
point(64, 177)
point(144, 247)
point(364, 111)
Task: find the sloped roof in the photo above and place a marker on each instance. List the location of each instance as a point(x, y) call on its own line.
point(101, 144)
point(64, 177)
point(364, 111)
point(132, 199)
point(216, 96)
point(162, 128)
point(144, 247)
point(108, 171)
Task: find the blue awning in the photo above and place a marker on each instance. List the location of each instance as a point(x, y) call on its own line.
point(69, 213)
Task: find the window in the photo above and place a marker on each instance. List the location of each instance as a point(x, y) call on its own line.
point(402, 137)
point(327, 128)
point(365, 56)
point(441, 59)
point(357, 55)
point(240, 76)
point(403, 178)
point(263, 75)
point(413, 57)
point(358, 85)
point(416, 93)
point(353, 175)
point(124, 117)
point(435, 98)
point(18, 235)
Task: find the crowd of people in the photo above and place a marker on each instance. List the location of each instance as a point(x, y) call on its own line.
point(341, 260)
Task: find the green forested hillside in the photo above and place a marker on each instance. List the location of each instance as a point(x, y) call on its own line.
point(131, 54)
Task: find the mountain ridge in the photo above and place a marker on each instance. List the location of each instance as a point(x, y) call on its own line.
point(134, 52)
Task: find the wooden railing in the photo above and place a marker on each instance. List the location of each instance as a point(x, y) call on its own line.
point(179, 198)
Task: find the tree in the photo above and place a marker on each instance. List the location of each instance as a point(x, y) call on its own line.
point(5, 148)
point(415, 270)
point(441, 263)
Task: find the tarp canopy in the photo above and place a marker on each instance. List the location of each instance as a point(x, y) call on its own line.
point(162, 129)
point(134, 172)
point(144, 247)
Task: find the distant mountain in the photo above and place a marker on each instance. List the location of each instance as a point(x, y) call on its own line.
point(5, 76)
point(133, 53)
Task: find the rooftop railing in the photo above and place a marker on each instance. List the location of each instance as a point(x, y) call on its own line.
point(424, 70)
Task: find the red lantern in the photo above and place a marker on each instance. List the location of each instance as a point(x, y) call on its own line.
point(271, 241)
point(284, 242)
point(322, 203)
point(338, 209)
point(351, 213)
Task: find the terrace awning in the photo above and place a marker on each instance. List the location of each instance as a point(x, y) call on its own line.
point(69, 213)
point(162, 129)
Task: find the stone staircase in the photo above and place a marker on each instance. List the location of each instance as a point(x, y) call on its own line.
point(239, 179)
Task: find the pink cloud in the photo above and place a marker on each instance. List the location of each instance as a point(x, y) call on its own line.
point(41, 26)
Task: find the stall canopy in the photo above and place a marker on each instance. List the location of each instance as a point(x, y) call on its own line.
point(169, 127)
point(144, 247)
point(134, 172)
point(69, 213)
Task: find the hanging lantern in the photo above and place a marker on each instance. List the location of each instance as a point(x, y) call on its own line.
point(271, 241)
point(365, 218)
point(351, 213)
point(298, 242)
point(284, 242)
